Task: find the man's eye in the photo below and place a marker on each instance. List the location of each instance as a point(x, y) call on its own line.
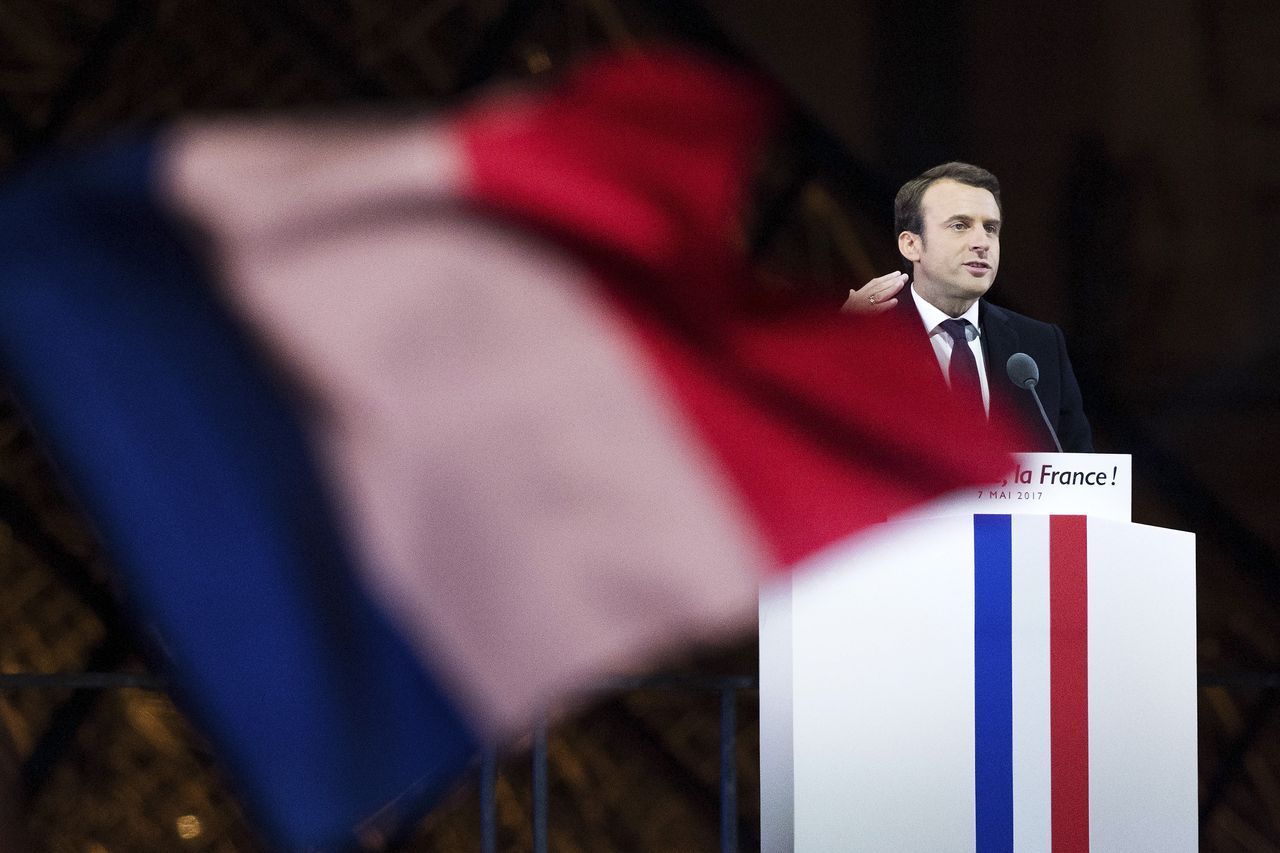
point(958, 226)
point(991, 229)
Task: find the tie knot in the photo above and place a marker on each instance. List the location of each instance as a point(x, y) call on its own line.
point(957, 329)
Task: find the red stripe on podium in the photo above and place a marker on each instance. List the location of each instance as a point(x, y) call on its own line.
point(1069, 679)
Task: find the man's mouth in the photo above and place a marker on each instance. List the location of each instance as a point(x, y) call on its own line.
point(978, 267)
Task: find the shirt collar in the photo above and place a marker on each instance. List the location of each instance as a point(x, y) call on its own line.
point(932, 316)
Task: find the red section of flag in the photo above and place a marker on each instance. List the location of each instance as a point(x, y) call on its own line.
point(638, 165)
point(1069, 680)
point(640, 158)
point(825, 426)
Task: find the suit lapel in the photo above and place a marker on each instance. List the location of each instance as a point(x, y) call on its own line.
point(1000, 339)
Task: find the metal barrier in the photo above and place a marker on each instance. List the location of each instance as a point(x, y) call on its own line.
point(727, 687)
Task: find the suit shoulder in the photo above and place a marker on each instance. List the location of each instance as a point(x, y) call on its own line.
point(1030, 326)
point(997, 312)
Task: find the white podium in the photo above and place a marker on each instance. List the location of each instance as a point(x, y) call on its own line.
point(1010, 669)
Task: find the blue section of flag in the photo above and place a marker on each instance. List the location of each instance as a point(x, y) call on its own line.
point(190, 462)
point(993, 681)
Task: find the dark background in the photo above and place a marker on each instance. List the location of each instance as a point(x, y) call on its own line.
point(1137, 144)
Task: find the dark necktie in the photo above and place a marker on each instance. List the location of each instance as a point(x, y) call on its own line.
point(963, 368)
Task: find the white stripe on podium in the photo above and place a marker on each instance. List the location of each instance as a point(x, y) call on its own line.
point(1032, 830)
point(1142, 689)
point(884, 738)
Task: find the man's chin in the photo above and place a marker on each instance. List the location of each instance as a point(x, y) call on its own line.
point(973, 288)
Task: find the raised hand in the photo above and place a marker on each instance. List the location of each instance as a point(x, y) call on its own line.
point(875, 296)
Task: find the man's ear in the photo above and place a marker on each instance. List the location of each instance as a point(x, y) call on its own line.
point(909, 245)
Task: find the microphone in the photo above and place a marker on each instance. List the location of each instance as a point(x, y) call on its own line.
point(1025, 373)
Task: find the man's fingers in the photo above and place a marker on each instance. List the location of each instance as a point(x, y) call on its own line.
point(859, 303)
point(888, 288)
point(883, 279)
point(879, 289)
point(876, 295)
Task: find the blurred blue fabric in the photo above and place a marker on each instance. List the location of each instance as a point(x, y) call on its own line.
point(188, 457)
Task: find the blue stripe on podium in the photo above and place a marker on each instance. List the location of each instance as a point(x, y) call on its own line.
point(993, 681)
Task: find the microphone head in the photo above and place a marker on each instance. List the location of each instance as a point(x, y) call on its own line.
point(1023, 370)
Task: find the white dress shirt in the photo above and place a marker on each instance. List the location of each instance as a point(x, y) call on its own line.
point(932, 318)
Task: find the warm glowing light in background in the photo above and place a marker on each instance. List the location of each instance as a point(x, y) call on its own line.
point(189, 827)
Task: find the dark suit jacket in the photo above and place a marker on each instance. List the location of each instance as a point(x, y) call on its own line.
point(1004, 333)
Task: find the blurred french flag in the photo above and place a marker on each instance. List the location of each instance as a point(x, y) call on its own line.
point(400, 431)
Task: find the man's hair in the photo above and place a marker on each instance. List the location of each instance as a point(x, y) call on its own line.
point(907, 212)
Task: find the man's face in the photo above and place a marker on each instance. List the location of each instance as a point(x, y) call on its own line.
point(956, 257)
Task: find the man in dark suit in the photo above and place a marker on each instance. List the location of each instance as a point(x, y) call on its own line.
point(948, 224)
